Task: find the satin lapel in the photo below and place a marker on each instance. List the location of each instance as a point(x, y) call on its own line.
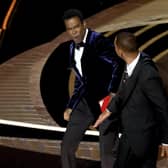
point(72, 45)
point(87, 43)
point(85, 57)
point(131, 83)
point(72, 60)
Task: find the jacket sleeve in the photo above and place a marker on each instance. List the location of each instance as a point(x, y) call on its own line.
point(114, 106)
point(153, 89)
point(107, 53)
point(78, 90)
point(118, 68)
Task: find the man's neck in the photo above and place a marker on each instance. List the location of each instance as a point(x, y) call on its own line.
point(130, 57)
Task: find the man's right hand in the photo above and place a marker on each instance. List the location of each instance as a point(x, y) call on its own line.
point(67, 114)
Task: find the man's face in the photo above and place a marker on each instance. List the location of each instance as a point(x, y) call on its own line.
point(75, 28)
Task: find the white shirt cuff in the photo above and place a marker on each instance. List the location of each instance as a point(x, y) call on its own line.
point(164, 144)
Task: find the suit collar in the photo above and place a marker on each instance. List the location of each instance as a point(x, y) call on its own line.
point(131, 81)
point(130, 67)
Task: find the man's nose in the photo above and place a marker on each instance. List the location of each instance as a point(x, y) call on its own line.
point(74, 31)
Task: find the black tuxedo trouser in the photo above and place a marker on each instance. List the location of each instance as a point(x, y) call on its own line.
point(127, 158)
point(81, 118)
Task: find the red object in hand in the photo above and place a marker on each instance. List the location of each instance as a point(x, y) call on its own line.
point(104, 103)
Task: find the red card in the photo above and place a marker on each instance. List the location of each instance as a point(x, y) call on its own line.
point(104, 103)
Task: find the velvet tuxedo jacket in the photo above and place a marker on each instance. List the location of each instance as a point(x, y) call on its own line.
point(101, 71)
point(142, 107)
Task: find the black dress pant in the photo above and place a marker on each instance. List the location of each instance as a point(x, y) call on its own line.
point(128, 159)
point(81, 118)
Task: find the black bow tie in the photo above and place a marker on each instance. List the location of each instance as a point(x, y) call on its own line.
point(78, 45)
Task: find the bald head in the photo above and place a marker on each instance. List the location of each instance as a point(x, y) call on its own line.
point(126, 46)
point(126, 41)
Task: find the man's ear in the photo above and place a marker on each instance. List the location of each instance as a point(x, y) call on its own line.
point(120, 52)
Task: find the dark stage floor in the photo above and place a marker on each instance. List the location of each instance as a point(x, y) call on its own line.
point(14, 158)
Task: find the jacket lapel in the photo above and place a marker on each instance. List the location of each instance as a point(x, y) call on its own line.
point(72, 60)
point(85, 57)
point(87, 43)
point(131, 82)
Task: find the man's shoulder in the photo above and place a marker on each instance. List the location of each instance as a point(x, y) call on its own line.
point(148, 66)
point(94, 34)
point(147, 60)
point(98, 38)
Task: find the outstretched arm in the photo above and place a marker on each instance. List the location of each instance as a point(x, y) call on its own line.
point(101, 118)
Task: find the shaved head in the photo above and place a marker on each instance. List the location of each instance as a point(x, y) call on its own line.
point(126, 41)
